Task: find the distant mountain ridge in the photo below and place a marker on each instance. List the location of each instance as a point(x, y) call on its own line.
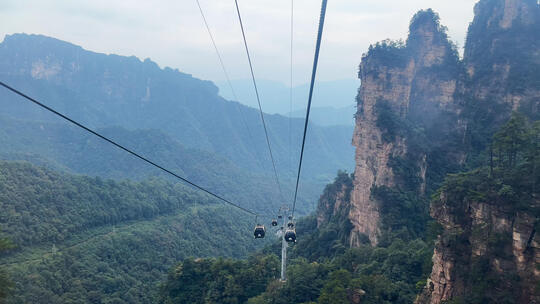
point(109, 90)
point(276, 97)
point(329, 116)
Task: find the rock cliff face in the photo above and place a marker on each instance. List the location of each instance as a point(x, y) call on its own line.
point(334, 202)
point(424, 83)
point(502, 57)
point(423, 113)
point(501, 76)
point(399, 82)
point(487, 237)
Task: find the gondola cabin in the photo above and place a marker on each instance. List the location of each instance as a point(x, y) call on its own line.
point(259, 232)
point(274, 223)
point(290, 235)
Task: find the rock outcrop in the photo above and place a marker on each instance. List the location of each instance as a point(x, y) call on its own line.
point(334, 202)
point(483, 242)
point(501, 63)
point(399, 81)
point(423, 82)
point(502, 56)
point(423, 113)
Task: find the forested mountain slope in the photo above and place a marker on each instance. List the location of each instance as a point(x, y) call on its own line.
point(84, 240)
point(109, 90)
point(64, 147)
point(321, 267)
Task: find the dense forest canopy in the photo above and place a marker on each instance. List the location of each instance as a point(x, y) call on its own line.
point(5, 283)
point(86, 239)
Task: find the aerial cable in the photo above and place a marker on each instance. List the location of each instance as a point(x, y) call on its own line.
point(291, 88)
point(124, 148)
point(217, 51)
point(258, 98)
point(313, 73)
point(238, 107)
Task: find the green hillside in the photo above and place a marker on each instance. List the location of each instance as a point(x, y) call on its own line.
point(64, 147)
point(80, 239)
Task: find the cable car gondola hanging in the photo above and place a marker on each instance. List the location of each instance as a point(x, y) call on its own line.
point(259, 232)
point(290, 235)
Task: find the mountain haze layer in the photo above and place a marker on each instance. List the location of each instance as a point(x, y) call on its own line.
point(66, 148)
point(109, 90)
point(276, 96)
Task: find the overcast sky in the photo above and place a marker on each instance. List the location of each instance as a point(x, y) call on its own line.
point(172, 33)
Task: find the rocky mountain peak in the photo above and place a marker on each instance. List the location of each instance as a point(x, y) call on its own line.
point(401, 81)
point(502, 23)
point(504, 14)
point(420, 84)
point(428, 41)
point(423, 114)
point(501, 54)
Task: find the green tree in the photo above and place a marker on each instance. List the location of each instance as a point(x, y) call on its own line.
point(510, 139)
point(5, 283)
point(335, 291)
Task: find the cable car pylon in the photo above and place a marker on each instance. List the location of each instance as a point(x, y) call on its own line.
point(282, 215)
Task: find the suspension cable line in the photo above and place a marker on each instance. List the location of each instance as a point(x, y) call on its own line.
point(218, 53)
point(217, 50)
point(312, 84)
point(124, 148)
point(258, 98)
point(291, 88)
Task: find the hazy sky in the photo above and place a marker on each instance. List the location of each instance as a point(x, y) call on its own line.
point(172, 33)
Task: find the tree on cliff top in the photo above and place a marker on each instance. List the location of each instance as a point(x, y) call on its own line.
point(514, 141)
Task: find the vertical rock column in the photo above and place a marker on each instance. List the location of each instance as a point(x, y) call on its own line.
point(415, 82)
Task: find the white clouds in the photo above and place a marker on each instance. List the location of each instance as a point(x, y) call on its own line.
point(171, 32)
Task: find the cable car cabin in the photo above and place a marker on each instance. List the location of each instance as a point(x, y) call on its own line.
point(290, 225)
point(280, 216)
point(259, 232)
point(274, 223)
point(290, 235)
